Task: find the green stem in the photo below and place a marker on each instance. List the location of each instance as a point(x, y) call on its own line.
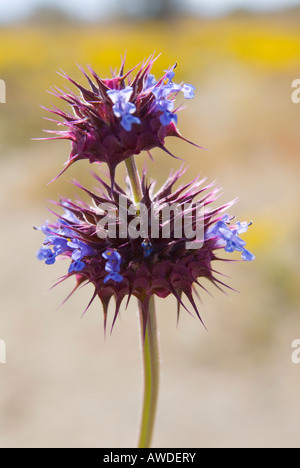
point(134, 180)
point(148, 336)
point(151, 375)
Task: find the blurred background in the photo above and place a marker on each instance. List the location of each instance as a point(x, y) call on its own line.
point(233, 385)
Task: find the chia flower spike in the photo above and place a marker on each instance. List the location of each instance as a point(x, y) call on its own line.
point(120, 116)
point(111, 246)
point(136, 241)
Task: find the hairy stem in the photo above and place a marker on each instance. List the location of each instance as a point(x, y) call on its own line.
point(149, 339)
point(151, 374)
point(134, 180)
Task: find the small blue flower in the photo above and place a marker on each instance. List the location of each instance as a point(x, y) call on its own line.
point(230, 236)
point(80, 249)
point(232, 240)
point(128, 120)
point(165, 105)
point(113, 257)
point(122, 108)
point(114, 261)
point(113, 276)
point(113, 265)
point(150, 82)
point(47, 255)
point(148, 249)
point(248, 256)
point(45, 229)
point(242, 227)
point(56, 235)
point(167, 115)
point(164, 91)
point(60, 244)
point(223, 224)
point(78, 265)
point(60, 238)
point(170, 74)
point(170, 87)
point(188, 91)
point(120, 95)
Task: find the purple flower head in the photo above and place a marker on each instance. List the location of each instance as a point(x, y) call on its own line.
point(119, 117)
point(121, 265)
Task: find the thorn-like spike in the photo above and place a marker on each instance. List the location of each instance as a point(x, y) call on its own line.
point(178, 308)
point(68, 164)
point(169, 152)
point(90, 303)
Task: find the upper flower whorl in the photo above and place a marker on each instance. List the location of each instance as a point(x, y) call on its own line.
point(119, 117)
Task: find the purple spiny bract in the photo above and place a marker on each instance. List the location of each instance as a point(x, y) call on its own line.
point(122, 266)
point(120, 116)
